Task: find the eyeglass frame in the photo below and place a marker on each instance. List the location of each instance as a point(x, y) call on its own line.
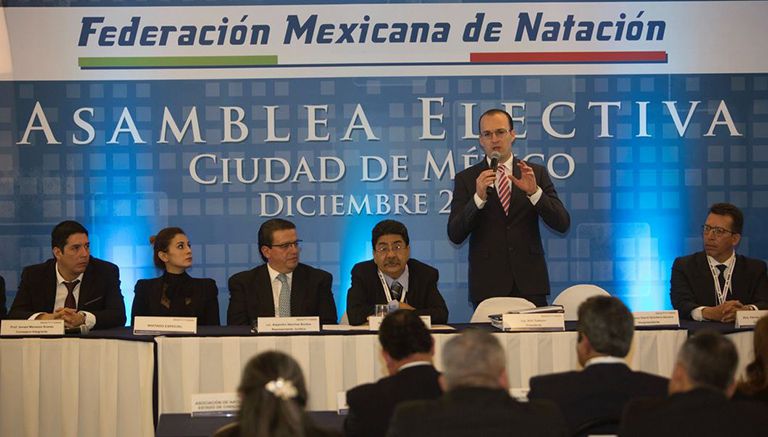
point(494, 133)
point(394, 248)
point(717, 230)
point(286, 246)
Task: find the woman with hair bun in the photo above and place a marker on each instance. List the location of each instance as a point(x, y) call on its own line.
point(273, 397)
point(175, 293)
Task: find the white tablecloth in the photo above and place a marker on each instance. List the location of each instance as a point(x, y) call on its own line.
point(336, 363)
point(73, 387)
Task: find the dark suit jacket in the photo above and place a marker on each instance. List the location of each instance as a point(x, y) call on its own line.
point(203, 295)
point(371, 405)
point(699, 412)
point(470, 412)
point(2, 298)
point(366, 291)
point(505, 250)
point(250, 295)
point(598, 391)
point(692, 284)
point(99, 292)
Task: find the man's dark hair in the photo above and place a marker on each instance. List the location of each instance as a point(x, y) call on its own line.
point(402, 333)
point(710, 360)
point(389, 227)
point(63, 230)
point(608, 325)
point(492, 112)
point(268, 229)
point(733, 212)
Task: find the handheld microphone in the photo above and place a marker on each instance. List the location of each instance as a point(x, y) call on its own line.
point(494, 166)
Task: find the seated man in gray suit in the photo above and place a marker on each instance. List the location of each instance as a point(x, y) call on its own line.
point(407, 348)
point(73, 286)
point(592, 399)
point(476, 400)
point(699, 390)
point(282, 286)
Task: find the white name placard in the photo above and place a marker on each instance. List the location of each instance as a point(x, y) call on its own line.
point(145, 325)
point(746, 319)
point(534, 322)
point(215, 404)
point(341, 403)
point(288, 324)
point(657, 318)
point(32, 327)
point(374, 322)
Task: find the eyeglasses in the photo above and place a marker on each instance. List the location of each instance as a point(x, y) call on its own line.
point(395, 248)
point(718, 231)
point(285, 246)
point(491, 133)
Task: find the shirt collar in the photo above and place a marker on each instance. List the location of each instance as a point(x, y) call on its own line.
point(273, 274)
point(414, 364)
point(60, 279)
point(402, 279)
point(607, 359)
point(714, 262)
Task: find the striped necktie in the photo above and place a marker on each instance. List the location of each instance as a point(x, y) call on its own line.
point(502, 186)
point(284, 303)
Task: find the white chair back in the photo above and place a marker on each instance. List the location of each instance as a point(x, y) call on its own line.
point(573, 296)
point(499, 305)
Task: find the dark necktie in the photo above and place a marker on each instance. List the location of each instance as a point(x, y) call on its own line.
point(396, 290)
point(69, 302)
point(721, 276)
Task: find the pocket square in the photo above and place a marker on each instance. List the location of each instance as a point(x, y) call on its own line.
point(93, 300)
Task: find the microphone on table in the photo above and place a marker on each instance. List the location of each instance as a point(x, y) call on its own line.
point(494, 166)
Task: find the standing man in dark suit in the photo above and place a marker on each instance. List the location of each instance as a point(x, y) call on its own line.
point(407, 348)
point(81, 290)
point(282, 286)
point(698, 405)
point(499, 211)
point(592, 399)
point(393, 277)
point(715, 283)
point(476, 400)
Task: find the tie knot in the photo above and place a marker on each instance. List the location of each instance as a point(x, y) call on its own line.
point(722, 267)
point(71, 285)
point(282, 277)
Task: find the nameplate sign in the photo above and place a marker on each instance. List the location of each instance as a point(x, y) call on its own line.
point(146, 325)
point(657, 318)
point(288, 324)
point(747, 319)
point(215, 404)
point(31, 327)
point(534, 322)
point(341, 403)
point(374, 322)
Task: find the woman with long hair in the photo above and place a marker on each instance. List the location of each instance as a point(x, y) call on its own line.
point(755, 384)
point(273, 397)
point(175, 293)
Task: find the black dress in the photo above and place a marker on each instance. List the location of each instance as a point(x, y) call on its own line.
point(177, 295)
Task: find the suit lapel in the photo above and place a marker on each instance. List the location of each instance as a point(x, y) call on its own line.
point(49, 291)
point(707, 285)
point(298, 284)
point(739, 273)
point(263, 288)
point(86, 288)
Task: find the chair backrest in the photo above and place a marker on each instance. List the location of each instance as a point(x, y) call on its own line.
point(498, 305)
point(573, 296)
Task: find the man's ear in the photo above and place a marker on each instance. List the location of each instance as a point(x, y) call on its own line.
point(56, 253)
point(504, 380)
point(443, 384)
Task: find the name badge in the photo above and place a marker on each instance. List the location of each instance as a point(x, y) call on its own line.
point(31, 327)
point(746, 319)
point(288, 324)
point(145, 325)
point(657, 318)
point(215, 404)
point(534, 322)
point(374, 322)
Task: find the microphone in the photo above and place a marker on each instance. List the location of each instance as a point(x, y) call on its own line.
point(396, 290)
point(494, 166)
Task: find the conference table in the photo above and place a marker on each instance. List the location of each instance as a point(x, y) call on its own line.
point(112, 382)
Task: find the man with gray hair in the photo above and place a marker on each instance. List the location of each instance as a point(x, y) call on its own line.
point(592, 399)
point(702, 381)
point(476, 400)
